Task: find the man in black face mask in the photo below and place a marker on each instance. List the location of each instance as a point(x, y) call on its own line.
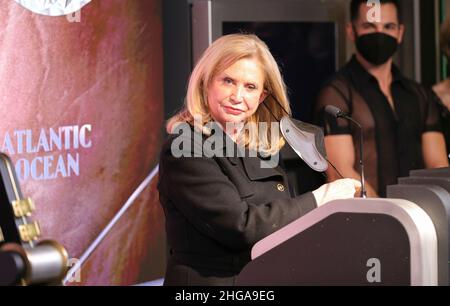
point(399, 117)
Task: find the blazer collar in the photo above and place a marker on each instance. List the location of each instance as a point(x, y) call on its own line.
point(257, 168)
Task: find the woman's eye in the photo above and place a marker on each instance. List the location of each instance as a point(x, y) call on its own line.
point(250, 86)
point(228, 81)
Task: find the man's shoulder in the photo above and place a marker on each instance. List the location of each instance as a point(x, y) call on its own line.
point(416, 87)
point(343, 74)
point(341, 80)
point(410, 82)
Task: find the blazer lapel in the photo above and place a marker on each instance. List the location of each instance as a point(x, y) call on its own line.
point(253, 165)
point(255, 171)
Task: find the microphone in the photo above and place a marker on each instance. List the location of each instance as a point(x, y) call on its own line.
point(334, 111)
point(338, 113)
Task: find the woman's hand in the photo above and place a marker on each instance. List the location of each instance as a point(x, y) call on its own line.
point(339, 189)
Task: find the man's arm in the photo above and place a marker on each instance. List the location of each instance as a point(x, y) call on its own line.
point(434, 150)
point(341, 153)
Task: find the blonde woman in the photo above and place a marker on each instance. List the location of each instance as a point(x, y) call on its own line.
point(220, 195)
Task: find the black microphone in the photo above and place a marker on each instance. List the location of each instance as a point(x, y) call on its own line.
point(338, 113)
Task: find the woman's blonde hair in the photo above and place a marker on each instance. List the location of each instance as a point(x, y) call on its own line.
point(220, 55)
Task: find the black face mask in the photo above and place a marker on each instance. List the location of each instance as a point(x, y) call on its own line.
point(376, 48)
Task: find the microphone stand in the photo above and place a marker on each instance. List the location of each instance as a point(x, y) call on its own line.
point(361, 164)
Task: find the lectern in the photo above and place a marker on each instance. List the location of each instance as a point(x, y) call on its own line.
point(430, 189)
point(349, 242)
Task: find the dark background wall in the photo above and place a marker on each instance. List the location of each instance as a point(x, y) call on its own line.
point(177, 53)
point(429, 51)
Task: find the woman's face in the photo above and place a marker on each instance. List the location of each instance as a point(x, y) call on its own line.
point(236, 92)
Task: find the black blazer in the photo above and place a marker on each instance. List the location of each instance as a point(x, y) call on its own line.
point(217, 208)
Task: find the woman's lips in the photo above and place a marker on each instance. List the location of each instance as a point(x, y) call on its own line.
point(232, 110)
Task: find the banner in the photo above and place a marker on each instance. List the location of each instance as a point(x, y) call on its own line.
point(81, 100)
